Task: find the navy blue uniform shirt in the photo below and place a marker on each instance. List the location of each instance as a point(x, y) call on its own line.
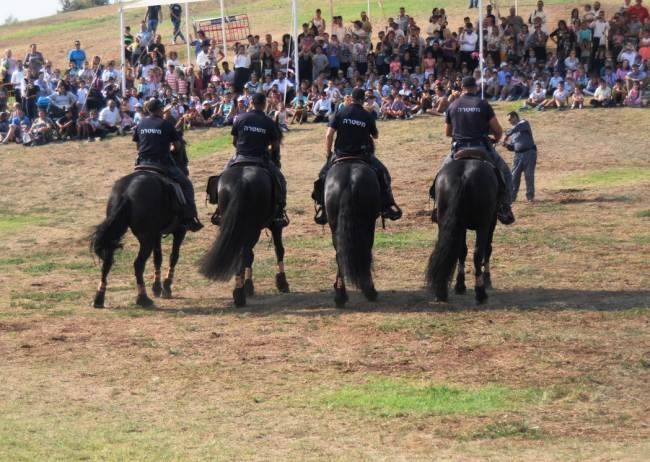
point(154, 136)
point(255, 131)
point(355, 128)
point(470, 117)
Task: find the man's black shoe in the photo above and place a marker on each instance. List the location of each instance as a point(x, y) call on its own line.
point(193, 225)
point(282, 219)
point(321, 216)
point(505, 215)
point(392, 212)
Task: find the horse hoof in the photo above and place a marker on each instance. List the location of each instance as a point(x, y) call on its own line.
point(167, 288)
point(371, 294)
point(481, 295)
point(99, 299)
point(460, 289)
point(239, 297)
point(487, 280)
point(156, 289)
point(281, 283)
point(144, 301)
point(249, 287)
point(340, 297)
point(442, 295)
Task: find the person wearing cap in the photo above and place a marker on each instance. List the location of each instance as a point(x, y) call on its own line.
point(355, 130)
point(253, 133)
point(523, 145)
point(154, 137)
point(469, 122)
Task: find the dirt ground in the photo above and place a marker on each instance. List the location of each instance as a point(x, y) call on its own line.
point(567, 324)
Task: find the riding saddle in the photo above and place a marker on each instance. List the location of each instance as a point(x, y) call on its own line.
point(176, 193)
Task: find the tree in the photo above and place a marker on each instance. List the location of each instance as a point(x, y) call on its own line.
point(11, 19)
point(72, 5)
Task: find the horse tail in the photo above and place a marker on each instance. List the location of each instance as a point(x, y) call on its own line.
point(446, 252)
point(238, 230)
point(354, 239)
point(107, 237)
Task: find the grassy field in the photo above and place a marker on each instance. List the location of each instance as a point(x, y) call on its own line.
point(555, 367)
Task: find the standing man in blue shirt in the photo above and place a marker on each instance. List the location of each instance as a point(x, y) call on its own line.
point(77, 56)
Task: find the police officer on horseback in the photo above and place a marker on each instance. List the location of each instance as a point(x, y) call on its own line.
point(154, 136)
point(253, 134)
point(469, 121)
point(356, 131)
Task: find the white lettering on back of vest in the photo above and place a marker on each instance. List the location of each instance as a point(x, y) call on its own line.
point(248, 128)
point(150, 131)
point(358, 123)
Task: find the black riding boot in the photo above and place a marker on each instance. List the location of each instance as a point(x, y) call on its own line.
point(281, 217)
point(390, 209)
point(319, 197)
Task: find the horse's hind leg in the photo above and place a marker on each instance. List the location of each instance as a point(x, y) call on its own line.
point(239, 293)
point(488, 253)
point(479, 254)
point(147, 244)
point(460, 287)
point(179, 236)
point(100, 295)
point(249, 287)
point(280, 278)
point(157, 262)
point(340, 293)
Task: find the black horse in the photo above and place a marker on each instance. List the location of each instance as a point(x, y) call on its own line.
point(247, 205)
point(466, 194)
point(353, 203)
point(146, 202)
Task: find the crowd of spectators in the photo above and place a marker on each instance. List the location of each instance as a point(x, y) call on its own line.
point(595, 58)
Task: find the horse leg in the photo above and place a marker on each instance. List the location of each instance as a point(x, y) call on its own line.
point(340, 293)
point(239, 293)
point(460, 287)
point(479, 254)
point(488, 253)
point(249, 287)
point(100, 295)
point(147, 244)
point(179, 236)
point(157, 262)
point(280, 278)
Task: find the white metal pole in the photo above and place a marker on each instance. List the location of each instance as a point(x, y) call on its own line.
point(122, 51)
point(223, 30)
point(294, 9)
point(187, 33)
point(368, 12)
point(480, 45)
point(516, 7)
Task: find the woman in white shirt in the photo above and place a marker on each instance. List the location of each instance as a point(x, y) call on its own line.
point(242, 69)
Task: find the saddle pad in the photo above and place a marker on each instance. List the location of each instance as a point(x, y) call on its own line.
point(472, 153)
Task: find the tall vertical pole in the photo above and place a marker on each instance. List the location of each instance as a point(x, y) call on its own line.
point(187, 34)
point(294, 10)
point(223, 31)
point(480, 46)
point(331, 8)
point(122, 50)
point(368, 12)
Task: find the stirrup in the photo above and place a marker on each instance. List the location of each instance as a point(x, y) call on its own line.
point(282, 219)
point(321, 216)
point(392, 212)
point(215, 219)
point(193, 225)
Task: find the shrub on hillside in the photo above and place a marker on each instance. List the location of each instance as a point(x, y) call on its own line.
point(72, 5)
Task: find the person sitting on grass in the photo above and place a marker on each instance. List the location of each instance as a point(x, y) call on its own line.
point(18, 125)
point(96, 128)
point(109, 118)
point(83, 127)
point(67, 125)
point(4, 124)
point(619, 92)
point(558, 100)
point(536, 97)
point(578, 98)
point(602, 95)
point(634, 97)
point(42, 129)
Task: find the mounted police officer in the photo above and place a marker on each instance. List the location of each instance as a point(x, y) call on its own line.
point(253, 133)
point(154, 136)
point(356, 131)
point(470, 119)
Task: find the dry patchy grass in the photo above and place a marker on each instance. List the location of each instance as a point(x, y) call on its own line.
point(567, 325)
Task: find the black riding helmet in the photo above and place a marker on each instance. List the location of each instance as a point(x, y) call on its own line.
point(358, 95)
point(259, 99)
